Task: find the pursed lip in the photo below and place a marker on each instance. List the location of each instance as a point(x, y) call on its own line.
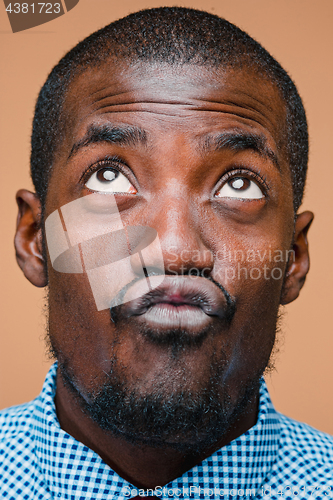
point(181, 293)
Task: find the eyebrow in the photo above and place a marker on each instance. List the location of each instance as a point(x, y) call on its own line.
point(236, 140)
point(123, 136)
point(241, 141)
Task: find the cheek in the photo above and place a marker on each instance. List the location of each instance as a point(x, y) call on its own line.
point(252, 271)
point(253, 330)
point(251, 265)
point(78, 332)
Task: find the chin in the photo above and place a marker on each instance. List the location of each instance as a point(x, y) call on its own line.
point(166, 416)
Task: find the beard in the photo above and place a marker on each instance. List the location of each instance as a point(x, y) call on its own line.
point(172, 412)
point(171, 415)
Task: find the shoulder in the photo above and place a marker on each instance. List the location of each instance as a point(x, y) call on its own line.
point(16, 421)
point(305, 454)
point(19, 477)
point(16, 434)
point(302, 439)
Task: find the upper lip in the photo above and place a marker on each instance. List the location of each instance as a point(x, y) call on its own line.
point(180, 290)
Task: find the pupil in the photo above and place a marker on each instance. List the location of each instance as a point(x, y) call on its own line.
point(239, 183)
point(108, 175)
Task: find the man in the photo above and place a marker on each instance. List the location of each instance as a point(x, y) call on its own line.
point(169, 155)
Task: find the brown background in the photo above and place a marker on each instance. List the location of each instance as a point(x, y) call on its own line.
point(299, 34)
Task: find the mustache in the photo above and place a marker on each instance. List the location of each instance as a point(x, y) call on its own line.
point(195, 297)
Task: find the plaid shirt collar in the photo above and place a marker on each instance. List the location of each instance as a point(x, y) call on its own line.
point(71, 470)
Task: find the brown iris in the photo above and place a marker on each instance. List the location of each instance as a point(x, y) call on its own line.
point(239, 183)
point(106, 174)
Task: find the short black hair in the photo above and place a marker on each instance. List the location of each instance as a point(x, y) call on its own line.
point(176, 36)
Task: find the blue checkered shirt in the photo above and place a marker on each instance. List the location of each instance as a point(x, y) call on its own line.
point(278, 458)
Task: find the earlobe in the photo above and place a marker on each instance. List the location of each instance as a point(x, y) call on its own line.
point(28, 238)
point(299, 263)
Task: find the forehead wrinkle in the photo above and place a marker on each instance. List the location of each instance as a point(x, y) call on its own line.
point(190, 102)
point(91, 94)
point(182, 107)
point(245, 104)
point(155, 93)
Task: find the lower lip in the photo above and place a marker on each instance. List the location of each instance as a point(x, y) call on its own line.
point(169, 316)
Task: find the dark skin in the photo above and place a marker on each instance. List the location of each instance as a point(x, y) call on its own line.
point(175, 188)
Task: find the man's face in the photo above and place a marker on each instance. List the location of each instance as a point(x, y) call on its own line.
point(205, 167)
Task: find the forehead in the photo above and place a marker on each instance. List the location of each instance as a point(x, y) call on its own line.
point(187, 99)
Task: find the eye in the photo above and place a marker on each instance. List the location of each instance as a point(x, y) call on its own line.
point(241, 188)
point(110, 180)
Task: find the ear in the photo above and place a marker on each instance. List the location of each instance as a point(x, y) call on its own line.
point(299, 263)
point(28, 238)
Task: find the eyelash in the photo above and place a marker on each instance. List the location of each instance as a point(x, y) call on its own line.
point(116, 163)
point(109, 161)
point(245, 172)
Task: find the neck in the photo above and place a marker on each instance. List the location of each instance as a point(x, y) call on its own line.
point(142, 465)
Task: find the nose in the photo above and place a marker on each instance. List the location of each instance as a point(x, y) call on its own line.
point(180, 237)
